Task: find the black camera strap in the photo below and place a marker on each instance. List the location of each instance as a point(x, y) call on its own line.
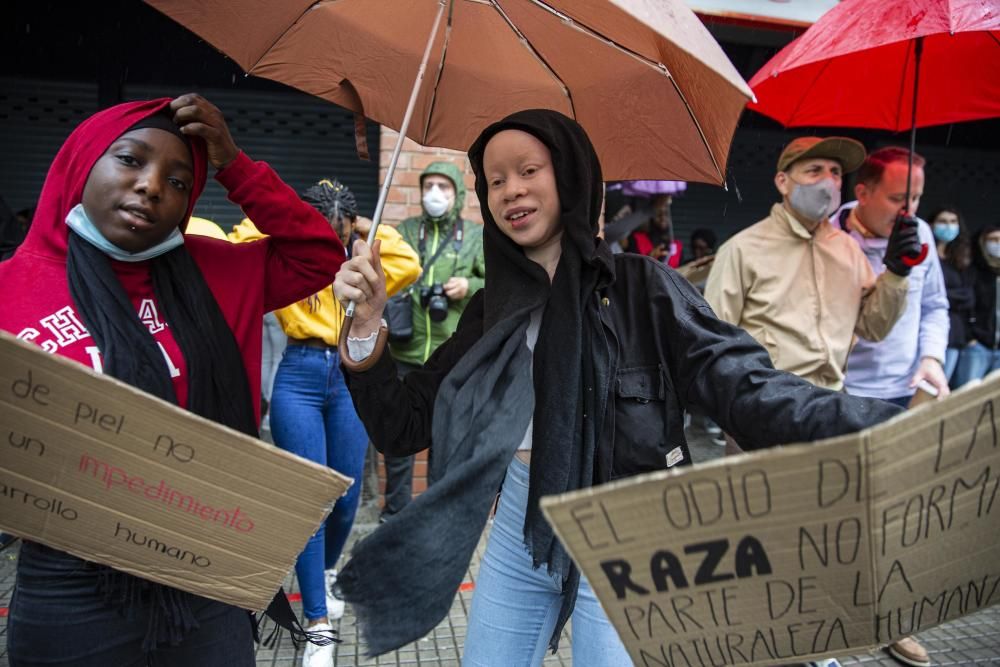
point(457, 230)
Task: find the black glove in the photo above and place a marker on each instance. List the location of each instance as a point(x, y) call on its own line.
point(904, 250)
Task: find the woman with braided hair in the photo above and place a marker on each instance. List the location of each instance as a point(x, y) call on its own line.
point(312, 414)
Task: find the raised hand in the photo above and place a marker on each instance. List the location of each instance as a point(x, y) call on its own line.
point(362, 280)
point(197, 117)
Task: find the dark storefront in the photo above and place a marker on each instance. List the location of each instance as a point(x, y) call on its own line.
point(62, 61)
point(963, 160)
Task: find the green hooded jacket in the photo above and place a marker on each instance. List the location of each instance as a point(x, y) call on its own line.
point(468, 263)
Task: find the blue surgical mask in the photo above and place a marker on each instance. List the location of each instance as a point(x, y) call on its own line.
point(946, 232)
point(993, 248)
point(80, 223)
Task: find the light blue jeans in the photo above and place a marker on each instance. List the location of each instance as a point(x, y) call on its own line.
point(312, 415)
point(515, 607)
point(950, 362)
point(975, 361)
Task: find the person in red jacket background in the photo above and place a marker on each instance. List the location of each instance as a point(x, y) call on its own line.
point(656, 237)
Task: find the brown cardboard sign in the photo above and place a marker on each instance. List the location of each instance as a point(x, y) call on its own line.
point(804, 551)
point(97, 468)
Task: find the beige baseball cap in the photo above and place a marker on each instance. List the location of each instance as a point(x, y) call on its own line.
point(848, 152)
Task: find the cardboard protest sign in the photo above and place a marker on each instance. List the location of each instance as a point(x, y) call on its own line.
point(97, 468)
point(803, 551)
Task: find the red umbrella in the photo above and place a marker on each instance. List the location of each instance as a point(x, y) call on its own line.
point(858, 66)
point(888, 64)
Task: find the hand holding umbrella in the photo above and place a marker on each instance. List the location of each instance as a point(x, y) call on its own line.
point(904, 250)
point(361, 283)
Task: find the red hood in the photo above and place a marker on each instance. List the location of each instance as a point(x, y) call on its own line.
point(71, 167)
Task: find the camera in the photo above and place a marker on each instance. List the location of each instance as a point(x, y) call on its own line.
point(433, 298)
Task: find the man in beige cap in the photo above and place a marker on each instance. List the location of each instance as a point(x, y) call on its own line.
point(800, 286)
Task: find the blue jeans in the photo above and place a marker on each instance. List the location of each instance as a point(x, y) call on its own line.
point(950, 362)
point(57, 617)
point(515, 607)
point(312, 415)
point(975, 361)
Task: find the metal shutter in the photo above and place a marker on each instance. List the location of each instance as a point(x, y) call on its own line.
point(302, 137)
point(959, 176)
point(35, 119)
point(962, 177)
point(752, 163)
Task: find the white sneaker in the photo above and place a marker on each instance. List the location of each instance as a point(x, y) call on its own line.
point(318, 656)
point(334, 605)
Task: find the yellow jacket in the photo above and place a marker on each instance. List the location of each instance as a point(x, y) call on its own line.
point(205, 227)
point(803, 296)
point(321, 315)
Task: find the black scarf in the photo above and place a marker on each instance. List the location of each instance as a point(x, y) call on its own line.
point(402, 579)
point(567, 419)
point(217, 380)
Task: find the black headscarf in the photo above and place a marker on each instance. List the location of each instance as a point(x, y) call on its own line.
point(485, 403)
point(521, 282)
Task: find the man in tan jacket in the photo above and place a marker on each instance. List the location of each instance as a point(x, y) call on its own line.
point(800, 286)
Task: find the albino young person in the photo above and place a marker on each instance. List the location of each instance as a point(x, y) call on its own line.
point(571, 368)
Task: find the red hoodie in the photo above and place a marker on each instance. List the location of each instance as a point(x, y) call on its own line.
point(300, 255)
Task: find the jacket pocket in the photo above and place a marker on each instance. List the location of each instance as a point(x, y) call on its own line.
point(649, 427)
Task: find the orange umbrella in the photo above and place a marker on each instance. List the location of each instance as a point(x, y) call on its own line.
point(653, 89)
point(656, 94)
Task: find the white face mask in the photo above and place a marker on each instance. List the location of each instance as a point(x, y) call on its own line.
point(436, 203)
point(815, 201)
point(993, 248)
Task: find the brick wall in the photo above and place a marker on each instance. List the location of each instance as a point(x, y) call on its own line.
point(403, 202)
point(404, 195)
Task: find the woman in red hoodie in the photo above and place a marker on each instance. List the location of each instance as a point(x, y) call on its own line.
point(107, 277)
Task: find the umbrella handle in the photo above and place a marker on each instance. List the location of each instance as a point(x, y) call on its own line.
point(911, 260)
point(371, 359)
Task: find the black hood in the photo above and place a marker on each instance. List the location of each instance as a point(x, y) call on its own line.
point(514, 279)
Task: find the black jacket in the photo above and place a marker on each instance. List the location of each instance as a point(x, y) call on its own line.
point(961, 302)
point(662, 351)
point(984, 324)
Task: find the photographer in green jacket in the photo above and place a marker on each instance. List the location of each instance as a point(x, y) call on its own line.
point(451, 254)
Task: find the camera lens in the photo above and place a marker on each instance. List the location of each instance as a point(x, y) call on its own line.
point(435, 301)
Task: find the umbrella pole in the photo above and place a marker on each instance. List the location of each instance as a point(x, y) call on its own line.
point(918, 49)
point(913, 260)
point(383, 195)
